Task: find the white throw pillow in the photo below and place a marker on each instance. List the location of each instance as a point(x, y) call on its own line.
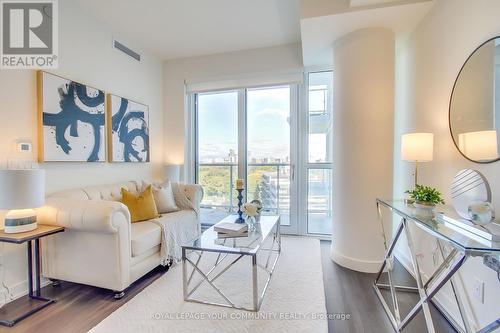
point(164, 198)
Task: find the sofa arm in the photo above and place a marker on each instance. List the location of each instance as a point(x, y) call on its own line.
point(84, 215)
point(194, 193)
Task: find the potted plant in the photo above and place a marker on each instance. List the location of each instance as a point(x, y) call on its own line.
point(425, 196)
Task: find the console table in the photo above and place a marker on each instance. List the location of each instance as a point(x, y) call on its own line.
point(463, 245)
point(34, 290)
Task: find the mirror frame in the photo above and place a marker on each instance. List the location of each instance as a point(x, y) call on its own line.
point(451, 99)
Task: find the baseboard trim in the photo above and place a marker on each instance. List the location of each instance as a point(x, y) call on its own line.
point(17, 290)
point(355, 264)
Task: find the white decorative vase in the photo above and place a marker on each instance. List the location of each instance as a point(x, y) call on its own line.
point(251, 222)
point(424, 205)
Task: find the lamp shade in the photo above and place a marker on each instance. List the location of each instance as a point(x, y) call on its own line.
point(22, 189)
point(479, 146)
point(417, 147)
point(173, 172)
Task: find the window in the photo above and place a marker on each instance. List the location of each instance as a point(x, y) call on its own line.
point(319, 165)
point(268, 155)
point(244, 133)
point(253, 134)
point(217, 137)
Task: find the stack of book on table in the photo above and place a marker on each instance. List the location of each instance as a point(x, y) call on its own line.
point(230, 229)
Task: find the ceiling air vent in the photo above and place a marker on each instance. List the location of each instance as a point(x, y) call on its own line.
point(131, 53)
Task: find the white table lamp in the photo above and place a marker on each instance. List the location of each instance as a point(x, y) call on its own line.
point(417, 147)
point(20, 192)
point(479, 146)
point(173, 172)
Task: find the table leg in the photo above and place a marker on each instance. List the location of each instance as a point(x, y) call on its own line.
point(395, 317)
point(418, 278)
point(37, 268)
point(34, 291)
point(30, 270)
point(254, 283)
point(278, 227)
point(458, 298)
point(184, 274)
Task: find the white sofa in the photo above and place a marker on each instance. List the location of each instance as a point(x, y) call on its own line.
point(100, 247)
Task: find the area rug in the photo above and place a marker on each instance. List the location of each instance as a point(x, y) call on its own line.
point(294, 301)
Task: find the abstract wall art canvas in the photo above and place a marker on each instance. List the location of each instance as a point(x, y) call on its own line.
point(128, 130)
point(72, 120)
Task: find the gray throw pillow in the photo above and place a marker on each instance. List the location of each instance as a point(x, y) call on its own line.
point(164, 198)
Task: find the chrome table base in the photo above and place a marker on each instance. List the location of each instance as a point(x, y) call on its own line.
point(454, 247)
point(209, 278)
point(444, 273)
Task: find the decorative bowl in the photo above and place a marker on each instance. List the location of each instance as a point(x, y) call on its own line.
point(481, 212)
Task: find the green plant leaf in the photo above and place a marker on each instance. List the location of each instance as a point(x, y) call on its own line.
point(426, 194)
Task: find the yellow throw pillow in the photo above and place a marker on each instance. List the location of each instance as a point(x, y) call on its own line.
point(142, 206)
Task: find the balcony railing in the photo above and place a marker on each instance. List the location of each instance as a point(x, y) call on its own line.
point(268, 182)
point(273, 179)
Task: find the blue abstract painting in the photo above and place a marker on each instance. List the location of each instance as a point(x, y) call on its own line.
point(129, 130)
point(73, 120)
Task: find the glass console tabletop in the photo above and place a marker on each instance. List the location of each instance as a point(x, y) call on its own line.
point(209, 241)
point(440, 228)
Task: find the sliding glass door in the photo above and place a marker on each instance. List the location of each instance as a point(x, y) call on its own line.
point(246, 133)
point(217, 152)
point(269, 151)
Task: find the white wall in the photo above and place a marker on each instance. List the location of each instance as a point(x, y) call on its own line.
point(216, 67)
point(362, 144)
point(85, 55)
point(428, 62)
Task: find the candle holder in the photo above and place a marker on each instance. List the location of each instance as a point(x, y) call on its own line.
point(240, 203)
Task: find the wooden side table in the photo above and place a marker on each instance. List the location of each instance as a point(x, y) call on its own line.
point(34, 292)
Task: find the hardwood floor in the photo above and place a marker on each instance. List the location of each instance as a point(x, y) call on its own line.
point(351, 292)
point(79, 307)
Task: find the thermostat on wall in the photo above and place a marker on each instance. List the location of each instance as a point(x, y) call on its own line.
point(24, 147)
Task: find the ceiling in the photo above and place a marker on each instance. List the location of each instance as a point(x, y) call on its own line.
point(185, 28)
point(319, 33)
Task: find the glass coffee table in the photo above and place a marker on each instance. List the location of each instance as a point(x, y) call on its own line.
point(262, 246)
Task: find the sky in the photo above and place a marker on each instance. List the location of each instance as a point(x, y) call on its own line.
point(268, 124)
point(267, 120)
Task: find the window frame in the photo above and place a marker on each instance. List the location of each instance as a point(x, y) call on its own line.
point(191, 139)
point(305, 164)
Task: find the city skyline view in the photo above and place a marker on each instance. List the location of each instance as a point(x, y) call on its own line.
point(268, 114)
point(267, 143)
point(268, 119)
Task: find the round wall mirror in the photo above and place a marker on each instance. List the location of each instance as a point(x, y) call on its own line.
point(475, 105)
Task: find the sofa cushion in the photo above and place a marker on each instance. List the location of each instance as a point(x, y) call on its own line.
point(111, 192)
point(138, 259)
point(164, 198)
point(142, 206)
point(144, 235)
